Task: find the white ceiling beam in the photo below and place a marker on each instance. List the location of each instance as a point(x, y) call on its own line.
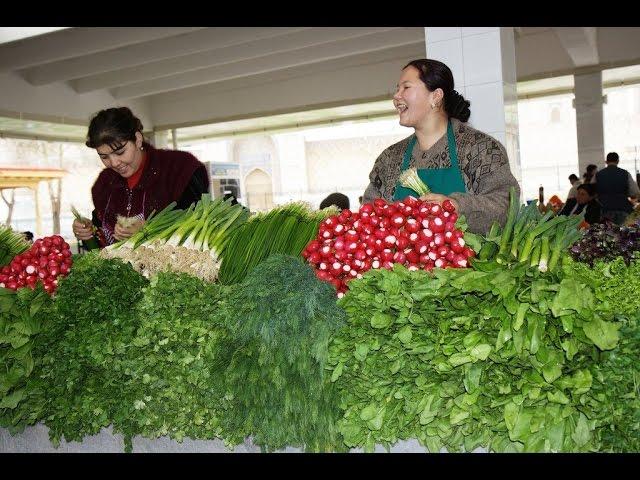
point(252, 49)
point(303, 56)
point(77, 41)
point(131, 56)
point(580, 43)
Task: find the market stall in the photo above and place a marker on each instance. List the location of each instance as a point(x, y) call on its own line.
point(390, 328)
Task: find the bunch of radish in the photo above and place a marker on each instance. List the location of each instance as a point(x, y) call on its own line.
point(47, 260)
point(420, 235)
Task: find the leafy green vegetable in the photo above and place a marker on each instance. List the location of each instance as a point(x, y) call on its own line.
point(281, 318)
point(21, 315)
point(492, 362)
point(285, 230)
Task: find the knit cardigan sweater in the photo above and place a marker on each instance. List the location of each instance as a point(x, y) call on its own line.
point(485, 171)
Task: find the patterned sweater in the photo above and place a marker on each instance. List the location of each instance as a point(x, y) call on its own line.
point(485, 171)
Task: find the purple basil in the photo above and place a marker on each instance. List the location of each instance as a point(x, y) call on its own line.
point(606, 241)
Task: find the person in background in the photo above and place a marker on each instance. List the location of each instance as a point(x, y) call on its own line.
point(575, 182)
point(138, 178)
point(615, 186)
point(337, 199)
point(28, 236)
point(457, 162)
point(585, 200)
point(227, 196)
point(588, 176)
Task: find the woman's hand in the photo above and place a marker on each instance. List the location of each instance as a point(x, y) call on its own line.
point(436, 197)
point(120, 233)
point(82, 231)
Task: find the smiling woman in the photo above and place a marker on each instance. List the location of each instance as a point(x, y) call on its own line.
point(137, 180)
point(455, 161)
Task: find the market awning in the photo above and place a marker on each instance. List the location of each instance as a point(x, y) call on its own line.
point(22, 177)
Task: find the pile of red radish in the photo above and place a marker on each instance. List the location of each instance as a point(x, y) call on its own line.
point(420, 235)
point(48, 259)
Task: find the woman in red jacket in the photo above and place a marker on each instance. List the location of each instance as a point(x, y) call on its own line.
point(138, 178)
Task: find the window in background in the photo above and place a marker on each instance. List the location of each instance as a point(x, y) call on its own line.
point(622, 126)
point(548, 145)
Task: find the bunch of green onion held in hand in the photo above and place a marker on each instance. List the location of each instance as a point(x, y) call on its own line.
point(410, 179)
point(189, 241)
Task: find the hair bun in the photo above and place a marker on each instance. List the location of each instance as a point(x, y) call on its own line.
point(457, 106)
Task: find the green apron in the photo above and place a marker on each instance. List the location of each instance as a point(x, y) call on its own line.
point(439, 180)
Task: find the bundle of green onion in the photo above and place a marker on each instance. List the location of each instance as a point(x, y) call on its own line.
point(189, 241)
point(410, 179)
point(286, 229)
point(529, 236)
point(11, 244)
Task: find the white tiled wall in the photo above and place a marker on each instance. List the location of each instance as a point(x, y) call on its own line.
point(487, 106)
point(470, 31)
point(482, 60)
point(450, 53)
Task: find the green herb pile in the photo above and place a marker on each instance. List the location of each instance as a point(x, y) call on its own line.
point(75, 388)
point(468, 359)
point(285, 230)
point(173, 371)
point(616, 285)
point(615, 393)
point(21, 316)
point(281, 318)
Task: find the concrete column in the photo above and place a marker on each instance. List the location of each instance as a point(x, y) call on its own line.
point(290, 168)
point(589, 120)
point(483, 63)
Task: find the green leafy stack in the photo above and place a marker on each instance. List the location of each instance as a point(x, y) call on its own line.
point(286, 230)
point(21, 317)
point(528, 237)
point(468, 359)
point(615, 284)
point(77, 385)
point(615, 399)
point(281, 318)
point(173, 371)
point(11, 244)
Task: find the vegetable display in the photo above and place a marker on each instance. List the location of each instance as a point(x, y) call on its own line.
point(48, 260)
point(420, 235)
point(285, 230)
point(525, 350)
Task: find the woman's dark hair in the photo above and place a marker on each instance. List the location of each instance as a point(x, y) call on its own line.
point(113, 127)
point(340, 200)
point(589, 187)
point(434, 75)
point(591, 168)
